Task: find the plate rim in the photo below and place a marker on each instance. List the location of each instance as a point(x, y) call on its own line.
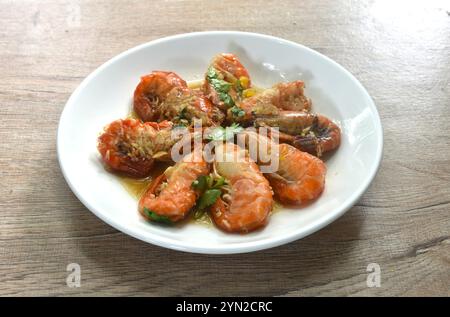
point(244, 247)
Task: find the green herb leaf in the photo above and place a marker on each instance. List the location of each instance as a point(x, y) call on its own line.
point(227, 100)
point(181, 118)
point(182, 114)
point(221, 86)
point(233, 129)
point(219, 182)
point(237, 112)
point(200, 183)
point(221, 133)
point(208, 198)
point(239, 88)
point(153, 216)
point(211, 73)
point(216, 134)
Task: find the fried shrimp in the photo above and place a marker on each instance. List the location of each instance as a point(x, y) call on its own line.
point(165, 96)
point(300, 177)
point(130, 147)
point(170, 196)
point(271, 101)
point(182, 106)
point(312, 133)
point(225, 81)
point(246, 201)
point(151, 92)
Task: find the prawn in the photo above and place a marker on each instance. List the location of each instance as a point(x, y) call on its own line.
point(225, 81)
point(246, 202)
point(171, 196)
point(151, 92)
point(165, 96)
point(182, 106)
point(130, 147)
point(269, 102)
point(312, 133)
point(300, 177)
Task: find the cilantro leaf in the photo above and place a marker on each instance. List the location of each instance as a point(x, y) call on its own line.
point(208, 198)
point(210, 192)
point(205, 182)
point(237, 112)
point(181, 118)
point(227, 100)
point(200, 183)
point(221, 133)
point(216, 134)
point(182, 114)
point(219, 182)
point(211, 73)
point(153, 216)
point(239, 88)
point(221, 86)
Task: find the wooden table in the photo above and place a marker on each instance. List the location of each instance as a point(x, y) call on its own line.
point(400, 51)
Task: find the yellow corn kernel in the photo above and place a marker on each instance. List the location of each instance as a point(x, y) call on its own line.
point(244, 81)
point(249, 93)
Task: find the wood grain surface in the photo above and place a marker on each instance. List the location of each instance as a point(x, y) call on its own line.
point(399, 50)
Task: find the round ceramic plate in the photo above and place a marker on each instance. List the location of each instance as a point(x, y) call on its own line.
point(106, 95)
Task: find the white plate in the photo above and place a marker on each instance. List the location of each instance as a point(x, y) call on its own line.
point(106, 95)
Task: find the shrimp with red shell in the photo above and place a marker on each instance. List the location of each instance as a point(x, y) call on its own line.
point(312, 133)
point(151, 92)
point(282, 96)
point(182, 106)
point(300, 177)
point(246, 200)
point(285, 106)
point(166, 96)
point(130, 147)
point(171, 196)
point(225, 81)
